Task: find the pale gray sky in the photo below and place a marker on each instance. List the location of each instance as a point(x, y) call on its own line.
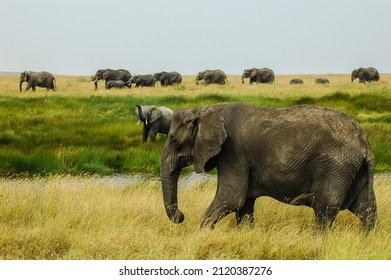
point(77, 37)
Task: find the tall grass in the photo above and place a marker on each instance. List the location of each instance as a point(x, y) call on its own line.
point(77, 129)
point(65, 217)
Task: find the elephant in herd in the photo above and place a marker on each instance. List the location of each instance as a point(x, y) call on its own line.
point(155, 119)
point(263, 75)
point(37, 79)
point(364, 75)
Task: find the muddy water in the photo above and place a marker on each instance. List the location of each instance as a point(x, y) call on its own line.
point(116, 181)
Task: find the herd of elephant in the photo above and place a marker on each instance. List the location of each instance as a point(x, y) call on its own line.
point(122, 78)
point(300, 155)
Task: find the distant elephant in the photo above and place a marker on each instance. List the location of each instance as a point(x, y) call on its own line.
point(263, 75)
point(212, 77)
point(143, 81)
point(326, 164)
point(168, 78)
point(364, 75)
point(296, 81)
point(111, 75)
point(116, 84)
point(322, 81)
point(156, 120)
point(37, 79)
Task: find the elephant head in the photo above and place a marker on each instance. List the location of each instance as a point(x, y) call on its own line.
point(147, 114)
point(196, 136)
point(99, 75)
point(24, 77)
point(160, 76)
point(356, 73)
point(200, 76)
point(249, 73)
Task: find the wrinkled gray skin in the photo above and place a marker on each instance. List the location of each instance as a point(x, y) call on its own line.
point(112, 75)
point(263, 75)
point(37, 79)
point(143, 81)
point(156, 120)
point(364, 75)
point(301, 155)
point(116, 84)
point(168, 78)
point(296, 81)
point(212, 77)
point(322, 81)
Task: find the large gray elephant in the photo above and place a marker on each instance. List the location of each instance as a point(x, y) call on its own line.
point(263, 75)
point(168, 78)
point(364, 75)
point(143, 80)
point(301, 155)
point(156, 120)
point(212, 77)
point(111, 75)
point(37, 79)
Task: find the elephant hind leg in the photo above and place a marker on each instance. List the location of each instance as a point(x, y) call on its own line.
point(365, 208)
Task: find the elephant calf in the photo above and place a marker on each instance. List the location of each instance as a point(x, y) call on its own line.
point(155, 119)
point(116, 84)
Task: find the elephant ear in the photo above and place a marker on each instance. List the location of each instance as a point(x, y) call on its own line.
point(155, 114)
point(210, 134)
point(253, 73)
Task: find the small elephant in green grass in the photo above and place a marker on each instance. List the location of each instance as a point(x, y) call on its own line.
point(156, 120)
point(300, 155)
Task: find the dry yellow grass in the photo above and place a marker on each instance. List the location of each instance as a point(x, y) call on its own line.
point(64, 217)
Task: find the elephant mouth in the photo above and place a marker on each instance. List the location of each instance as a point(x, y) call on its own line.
point(186, 160)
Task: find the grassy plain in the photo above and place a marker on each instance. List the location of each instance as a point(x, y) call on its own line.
point(77, 130)
point(48, 213)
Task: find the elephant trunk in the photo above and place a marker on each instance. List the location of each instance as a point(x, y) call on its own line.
point(169, 176)
point(20, 86)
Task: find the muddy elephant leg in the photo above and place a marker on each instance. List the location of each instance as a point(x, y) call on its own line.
point(246, 213)
point(232, 187)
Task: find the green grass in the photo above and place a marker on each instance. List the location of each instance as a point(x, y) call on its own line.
point(77, 129)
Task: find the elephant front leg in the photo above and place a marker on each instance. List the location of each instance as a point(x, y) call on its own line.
point(145, 133)
point(230, 197)
point(246, 213)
